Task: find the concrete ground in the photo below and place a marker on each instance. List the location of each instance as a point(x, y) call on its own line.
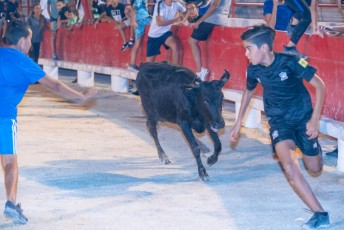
point(94, 166)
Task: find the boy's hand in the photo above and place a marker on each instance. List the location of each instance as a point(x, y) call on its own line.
point(89, 93)
point(234, 134)
point(312, 128)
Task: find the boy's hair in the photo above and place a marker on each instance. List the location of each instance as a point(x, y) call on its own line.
point(60, 1)
point(16, 30)
point(259, 35)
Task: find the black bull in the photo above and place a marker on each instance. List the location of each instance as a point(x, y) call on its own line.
point(175, 94)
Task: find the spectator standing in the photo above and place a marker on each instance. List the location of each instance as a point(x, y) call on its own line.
point(217, 14)
point(53, 14)
point(140, 18)
point(305, 13)
point(277, 14)
point(37, 24)
point(287, 104)
point(17, 72)
point(166, 13)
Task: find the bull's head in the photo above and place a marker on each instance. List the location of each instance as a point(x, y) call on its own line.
point(208, 97)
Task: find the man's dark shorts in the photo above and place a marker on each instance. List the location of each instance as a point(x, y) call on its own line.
point(203, 31)
point(309, 147)
point(153, 44)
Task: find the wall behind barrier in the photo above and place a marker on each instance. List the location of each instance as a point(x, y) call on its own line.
point(102, 46)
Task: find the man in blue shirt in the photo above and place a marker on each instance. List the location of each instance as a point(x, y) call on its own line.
point(17, 72)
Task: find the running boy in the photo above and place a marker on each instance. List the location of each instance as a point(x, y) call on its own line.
point(17, 72)
point(287, 104)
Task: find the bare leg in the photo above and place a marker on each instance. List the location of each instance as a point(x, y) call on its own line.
point(294, 176)
point(120, 28)
point(53, 42)
point(173, 44)
point(151, 59)
point(196, 53)
point(10, 168)
point(135, 50)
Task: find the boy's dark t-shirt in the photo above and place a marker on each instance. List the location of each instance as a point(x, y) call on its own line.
point(62, 12)
point(117, 13)
point(286, 100)
point(12, 10)
point(98, 9)
point(2, 9)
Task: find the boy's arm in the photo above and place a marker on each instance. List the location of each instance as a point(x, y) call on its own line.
point(214, 5)
point(313, 124)
point(65, 90)
point(314, 15)
point(270, 19)
point(246, 98)
point(160, 21)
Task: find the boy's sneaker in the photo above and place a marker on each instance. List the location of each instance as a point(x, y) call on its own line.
point(333, 153)
point(318, 220)
point(131, 43)
point(133, 67)
point(203, 74)
point(293, 51)
point(125, 46)
point(14, 213)
point(54, 57)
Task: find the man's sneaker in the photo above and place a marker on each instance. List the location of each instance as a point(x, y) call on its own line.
point(133, 67)
point(131, 43)
point(125, 46)
point(14, 213)
point(318, 220)
point(203, 74)
point(293, 51)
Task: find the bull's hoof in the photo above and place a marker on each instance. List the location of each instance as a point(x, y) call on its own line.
point(164, 158)
point(212, 160)
point(203, 175)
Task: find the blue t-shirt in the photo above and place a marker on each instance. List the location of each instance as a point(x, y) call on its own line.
point(283, 14)
point(17, 72)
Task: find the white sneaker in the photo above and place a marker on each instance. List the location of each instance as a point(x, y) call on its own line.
point(203, 74)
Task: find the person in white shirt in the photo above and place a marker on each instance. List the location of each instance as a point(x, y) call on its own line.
point(166, 13)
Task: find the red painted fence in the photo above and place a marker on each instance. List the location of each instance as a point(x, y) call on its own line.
point(101, 46)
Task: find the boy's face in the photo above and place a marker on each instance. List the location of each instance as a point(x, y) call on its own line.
point(70, 15)
point(254, 54)
point(59, 5)
point(192, 10)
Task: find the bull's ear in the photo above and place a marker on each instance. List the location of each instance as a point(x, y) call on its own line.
point(190, 90)
point(224, 79)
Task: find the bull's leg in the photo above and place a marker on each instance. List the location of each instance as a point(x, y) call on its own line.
point(217, 147)
point(195, 148)
point(152, 129)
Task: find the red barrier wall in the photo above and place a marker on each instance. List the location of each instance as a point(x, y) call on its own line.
point(102, 46)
